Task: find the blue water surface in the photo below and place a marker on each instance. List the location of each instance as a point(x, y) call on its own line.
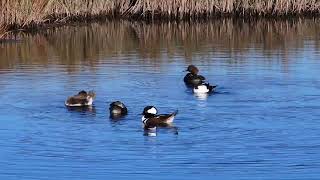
point(262, 123)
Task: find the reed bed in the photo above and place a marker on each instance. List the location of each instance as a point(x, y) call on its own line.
point(3, 30)
point(23, 13)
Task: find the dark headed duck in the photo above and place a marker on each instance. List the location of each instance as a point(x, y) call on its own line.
point(117, 109)
point(192, 78)
point(151, 119)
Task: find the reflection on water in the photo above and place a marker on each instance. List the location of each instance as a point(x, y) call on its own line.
point(261, 123)
point(150, 132)
point(116, 117)
point(163, 130)
point(201, 96)
point(82, 109)
point(89, 44)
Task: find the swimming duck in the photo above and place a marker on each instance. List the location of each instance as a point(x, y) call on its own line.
point(151, 119)
point(117, 109)
point(192, 78)
point(203, 88)
point(83, 98)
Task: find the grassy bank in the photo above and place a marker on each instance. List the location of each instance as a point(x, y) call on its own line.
point(30, 13)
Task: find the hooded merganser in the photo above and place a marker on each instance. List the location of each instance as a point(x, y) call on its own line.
point(83, 98)
point(151, 120)
point(117, 109)
point(204, 88)
point(192, 78)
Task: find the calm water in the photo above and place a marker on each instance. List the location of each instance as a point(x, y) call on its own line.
point(263, 122)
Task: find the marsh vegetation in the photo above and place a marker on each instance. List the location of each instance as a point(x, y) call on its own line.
point(17, 14)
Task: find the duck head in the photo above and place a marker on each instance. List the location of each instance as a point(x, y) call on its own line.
point(118, 108)
point(192, 69)
point(149, 111)
point(86, 94)
point(91, 94)
point(83, 93)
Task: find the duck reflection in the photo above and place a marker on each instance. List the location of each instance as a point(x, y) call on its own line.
point(201, 96)
point(168, 128)
point(116, 117)
point(82, 109)
point(150, 132)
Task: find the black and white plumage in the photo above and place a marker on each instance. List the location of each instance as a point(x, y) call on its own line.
point(83, 98)
point(197, 82)
point(204, 88)
point(117, 109)
point(151, 119)
point(193, 78)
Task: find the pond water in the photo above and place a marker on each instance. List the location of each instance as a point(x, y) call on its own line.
point(262, 123)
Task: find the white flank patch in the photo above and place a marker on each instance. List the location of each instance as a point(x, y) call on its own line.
point(90, 101)
point(153, 110)
point(201, 89)
point(72, 105)
point(143, 119)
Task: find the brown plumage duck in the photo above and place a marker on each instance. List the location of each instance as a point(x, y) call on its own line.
point(83, 98)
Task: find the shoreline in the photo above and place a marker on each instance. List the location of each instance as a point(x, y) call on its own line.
point(32, 16)
point(57, 22)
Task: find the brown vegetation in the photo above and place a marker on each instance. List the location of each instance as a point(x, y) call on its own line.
point(3, 30)
point(25, 13)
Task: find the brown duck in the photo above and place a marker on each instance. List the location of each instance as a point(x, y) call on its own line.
point(83, 98)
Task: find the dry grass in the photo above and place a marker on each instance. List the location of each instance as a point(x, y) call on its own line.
point(4, 30)
point(23, 13)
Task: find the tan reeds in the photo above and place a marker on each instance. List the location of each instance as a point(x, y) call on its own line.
point(3, 25)
point(4, 30)
point(22, 13)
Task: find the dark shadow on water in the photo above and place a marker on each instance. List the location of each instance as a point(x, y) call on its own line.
point(83, 110)
point(170, 129)
point(116, 119)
